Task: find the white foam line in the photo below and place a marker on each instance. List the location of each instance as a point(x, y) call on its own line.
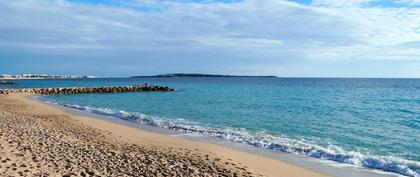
point(262, 140)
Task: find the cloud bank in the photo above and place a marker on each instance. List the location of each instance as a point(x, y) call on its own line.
point(257, 36)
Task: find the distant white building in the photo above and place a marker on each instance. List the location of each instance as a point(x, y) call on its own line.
point(43, 76)
point(6, 76)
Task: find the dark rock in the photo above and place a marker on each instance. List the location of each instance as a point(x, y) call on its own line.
point(7, 83)
point(91, 173)
point(48, 91)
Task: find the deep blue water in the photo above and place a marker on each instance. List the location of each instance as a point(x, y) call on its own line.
point(368, 122)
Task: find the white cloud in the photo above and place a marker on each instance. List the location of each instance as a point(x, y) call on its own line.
point(273, 29)
point(409, 2)
point(338, 3)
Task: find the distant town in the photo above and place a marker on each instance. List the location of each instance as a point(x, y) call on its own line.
point(42, 76)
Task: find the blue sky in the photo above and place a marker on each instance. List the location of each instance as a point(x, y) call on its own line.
point(302, 38)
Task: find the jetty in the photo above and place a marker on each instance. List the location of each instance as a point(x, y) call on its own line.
point(7, 83)
point(80, 90)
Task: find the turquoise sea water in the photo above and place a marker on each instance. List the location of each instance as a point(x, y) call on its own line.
point(373, 123)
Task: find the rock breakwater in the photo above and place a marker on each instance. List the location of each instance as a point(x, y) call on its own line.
point(7, 83)
point(76, 90)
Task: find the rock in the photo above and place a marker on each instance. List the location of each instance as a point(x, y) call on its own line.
point(48, 91)
point(7, 83)
point(89, 172)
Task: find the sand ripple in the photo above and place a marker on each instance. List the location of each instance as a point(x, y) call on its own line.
point(56, 145)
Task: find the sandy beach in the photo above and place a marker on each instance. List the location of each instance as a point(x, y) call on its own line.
point(41, 140)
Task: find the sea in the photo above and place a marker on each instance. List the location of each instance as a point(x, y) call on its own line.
point(373, 123)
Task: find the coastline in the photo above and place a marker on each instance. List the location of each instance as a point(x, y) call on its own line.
point(219, 159)
point(325, 167)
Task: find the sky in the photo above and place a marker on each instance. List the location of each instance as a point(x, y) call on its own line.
point(300, 38)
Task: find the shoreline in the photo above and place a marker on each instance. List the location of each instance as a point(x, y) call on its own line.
point(103, 136)
point(317, 165)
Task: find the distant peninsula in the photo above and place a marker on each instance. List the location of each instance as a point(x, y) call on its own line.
point(195, 75)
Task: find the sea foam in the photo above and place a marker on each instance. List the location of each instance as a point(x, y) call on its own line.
point(264, 140)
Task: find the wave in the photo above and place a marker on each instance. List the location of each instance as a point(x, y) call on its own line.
point(267, 141)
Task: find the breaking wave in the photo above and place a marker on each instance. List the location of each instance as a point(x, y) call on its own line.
point(263, 140)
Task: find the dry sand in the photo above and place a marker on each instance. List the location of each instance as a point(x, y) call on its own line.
point(41, 140)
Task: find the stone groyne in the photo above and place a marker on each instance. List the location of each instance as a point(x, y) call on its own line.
point(7, 83)
point(76, 90)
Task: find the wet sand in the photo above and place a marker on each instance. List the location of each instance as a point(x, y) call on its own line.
point(41, 140)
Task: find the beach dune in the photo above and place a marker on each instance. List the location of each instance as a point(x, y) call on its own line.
point(40, 140)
